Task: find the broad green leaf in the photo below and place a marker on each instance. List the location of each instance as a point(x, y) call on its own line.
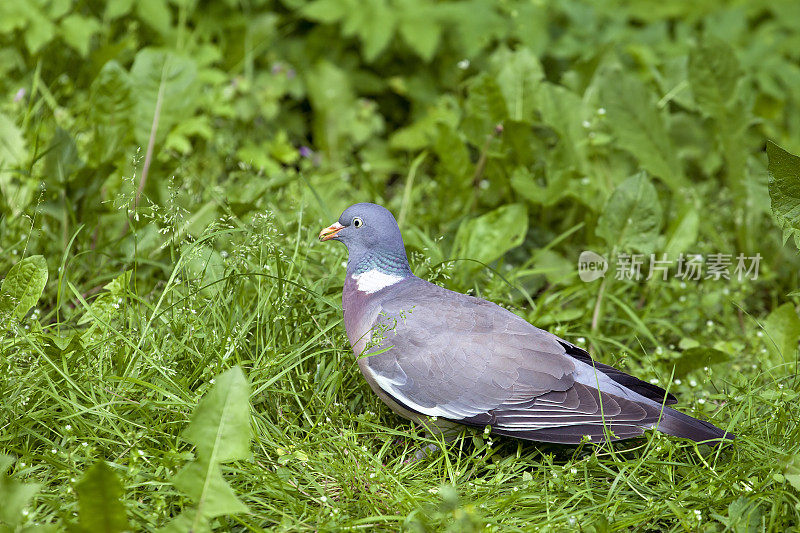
point(744, 516)
point(328, 11)
point(557, 187)
point(683, 233)
point(220, 431)
point(485, 109)
point(631, 218)
point(12, 144)
point(23, 286)
point(487, 237)
point(452, 152)
point(186, 521)
point(62, 160)
point(15, 496)
point(203, 482)
point(77, 31)
point(713, 74)
point(792, 472)
point(40, 29)
point(638, 125)
point(58, 345)
point(156, 14)
point(784, 190)
point(13, 154)
point(100, 506)
point(420, 27)
point(519, 74)
point(56, 9)
point(111, 111)
point(338, 115)
point(698, 357)
point(220, 426)
point(477, 23)
point(424, 131)
point(374, 23)
point(13, 16)
point(107, 304)
point(783, 331)
point(168, 77)
point(117, 8)
point(563, 110)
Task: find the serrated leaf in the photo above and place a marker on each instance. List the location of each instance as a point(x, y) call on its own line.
point(23, 286)
point(784, 189)
point(40, 29)
point(638, 125)
point(220, 426)
point(106, 305)
point(487, 237)
point(485, 109)
point(203, 482)
point(783, 331)
point(744, 516)
point(15, 496)
point(77, 31)
point(713, 73)
point(420, 28)
point(519, 74)
point(563, 110)
point(111, 111)
point(421, 133)
point(374, 23)
point(220, 430)
point(327, 11)
point(557, 187)
point(12, 16)
point(476, 22)
point(172, 76)
point(631, 218)
point(100, 507)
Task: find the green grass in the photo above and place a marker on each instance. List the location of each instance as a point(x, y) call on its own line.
point(165, 167)
point(326, 453)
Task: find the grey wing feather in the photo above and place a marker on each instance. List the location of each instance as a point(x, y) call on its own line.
point(450, 355)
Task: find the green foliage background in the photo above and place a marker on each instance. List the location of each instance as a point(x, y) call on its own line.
point(165, 166)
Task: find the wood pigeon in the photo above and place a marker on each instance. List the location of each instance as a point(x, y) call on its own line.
point(430, 352)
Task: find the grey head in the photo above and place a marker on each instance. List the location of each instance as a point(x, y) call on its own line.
point(373, 240)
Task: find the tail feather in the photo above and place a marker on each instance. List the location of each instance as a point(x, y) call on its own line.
point(681, 425)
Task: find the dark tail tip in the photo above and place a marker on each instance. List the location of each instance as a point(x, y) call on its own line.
point(681, 425)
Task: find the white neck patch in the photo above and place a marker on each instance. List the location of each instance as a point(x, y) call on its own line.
point(374, 280)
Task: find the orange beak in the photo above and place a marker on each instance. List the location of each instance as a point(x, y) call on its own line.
point(330, 232)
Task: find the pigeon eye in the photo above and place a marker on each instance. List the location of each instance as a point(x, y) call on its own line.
point(357, 222)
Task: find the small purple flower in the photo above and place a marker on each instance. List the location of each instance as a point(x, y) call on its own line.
point(290, 73)
point(305, 151)
point(20, 95)
point(277, 68)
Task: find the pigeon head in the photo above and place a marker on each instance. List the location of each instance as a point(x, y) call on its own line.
point(372, 237)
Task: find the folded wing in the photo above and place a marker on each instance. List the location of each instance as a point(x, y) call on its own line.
point(445, 354)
